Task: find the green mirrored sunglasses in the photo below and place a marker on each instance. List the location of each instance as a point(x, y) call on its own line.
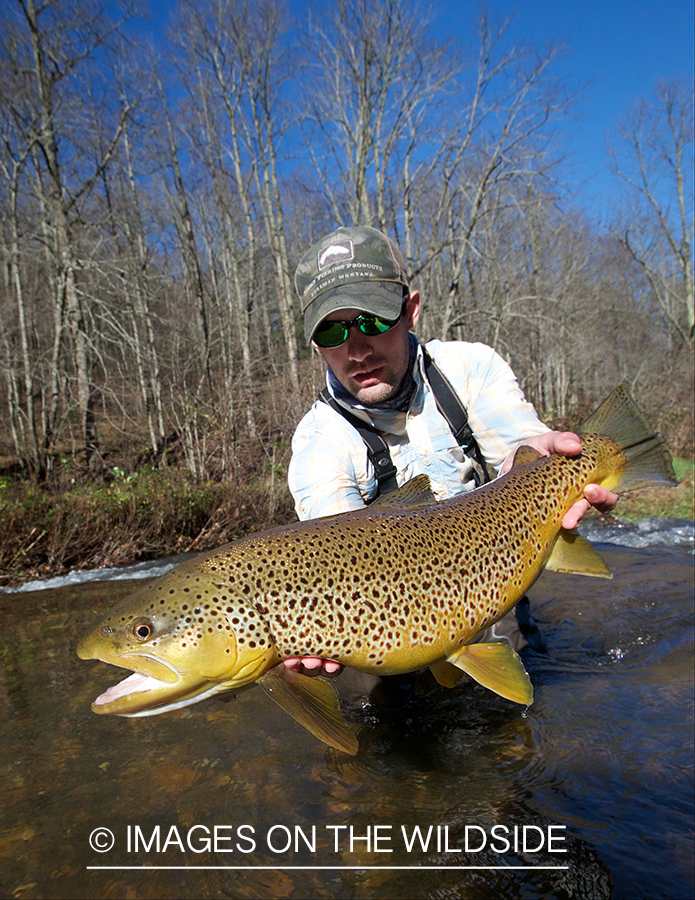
point(332, 334)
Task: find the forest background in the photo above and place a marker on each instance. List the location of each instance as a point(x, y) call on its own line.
point(155, 203)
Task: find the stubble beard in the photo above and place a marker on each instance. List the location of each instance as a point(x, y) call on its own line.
point(376, 393)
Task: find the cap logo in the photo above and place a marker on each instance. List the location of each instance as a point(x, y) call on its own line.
point(341, 250)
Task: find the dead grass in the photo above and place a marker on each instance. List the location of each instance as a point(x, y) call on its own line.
point(147, 515)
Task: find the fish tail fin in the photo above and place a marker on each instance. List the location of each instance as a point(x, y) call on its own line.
point(647, 454)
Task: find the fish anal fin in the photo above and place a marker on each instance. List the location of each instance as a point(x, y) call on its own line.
point(313, 703)
point(447, 674)
point(574, 555)
point(411, 495)
point(525, 454)
point(497, 667)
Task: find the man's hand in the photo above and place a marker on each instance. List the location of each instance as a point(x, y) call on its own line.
point(313, 665)
point(569, 444)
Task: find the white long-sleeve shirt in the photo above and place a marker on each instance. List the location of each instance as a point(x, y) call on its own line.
point(330, 471)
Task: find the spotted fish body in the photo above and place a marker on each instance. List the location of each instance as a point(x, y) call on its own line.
point(396, 587)
point(381, 590)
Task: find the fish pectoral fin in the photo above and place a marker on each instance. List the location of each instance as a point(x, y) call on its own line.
point(574, 555)
point(446, 674)
point(497, 667)
point(313, 703)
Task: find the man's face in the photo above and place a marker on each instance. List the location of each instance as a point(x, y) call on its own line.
point(372, 369)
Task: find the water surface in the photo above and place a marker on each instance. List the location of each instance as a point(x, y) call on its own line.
point(604, 756)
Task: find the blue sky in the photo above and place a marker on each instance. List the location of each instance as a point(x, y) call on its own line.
point(616, 50)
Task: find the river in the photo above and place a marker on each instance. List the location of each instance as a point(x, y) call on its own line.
point(460, 794)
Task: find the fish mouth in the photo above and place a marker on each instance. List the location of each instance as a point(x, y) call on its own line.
point(137, 683)
point(143, 694)
point(152, 685)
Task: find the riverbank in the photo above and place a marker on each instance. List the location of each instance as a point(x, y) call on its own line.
point(146, 515)
point(152, 513)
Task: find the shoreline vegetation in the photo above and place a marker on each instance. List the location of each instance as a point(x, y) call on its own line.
point(50, 529)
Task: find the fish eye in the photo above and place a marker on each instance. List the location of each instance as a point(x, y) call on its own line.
point(142, 629)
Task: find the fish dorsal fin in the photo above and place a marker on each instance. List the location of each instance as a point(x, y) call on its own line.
point(617, 413)
point(497, 667)
point(525, 454)
point(313, 703)
point(575, 556)
point(413, 494)
point(446, 674)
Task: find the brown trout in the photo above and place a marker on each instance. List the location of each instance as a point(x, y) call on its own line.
point(401, 585)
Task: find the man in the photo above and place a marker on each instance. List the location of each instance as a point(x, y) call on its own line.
point(358, 314)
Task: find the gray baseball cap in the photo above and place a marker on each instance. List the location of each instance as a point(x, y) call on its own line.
point(351, 268)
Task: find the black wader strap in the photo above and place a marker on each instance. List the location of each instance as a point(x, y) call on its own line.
point(377, 448)
point(450, 406)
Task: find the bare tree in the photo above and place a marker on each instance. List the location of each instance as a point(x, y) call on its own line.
point(211, 70)
point(19, 136)
point(655, 160)
point(148, 234)
point(501, 143)
point(373, 76)
point(186, 231)
point(62, 37)
point(128, 283)
point(258, 34)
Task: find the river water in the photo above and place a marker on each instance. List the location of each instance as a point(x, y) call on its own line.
point(596, 777)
